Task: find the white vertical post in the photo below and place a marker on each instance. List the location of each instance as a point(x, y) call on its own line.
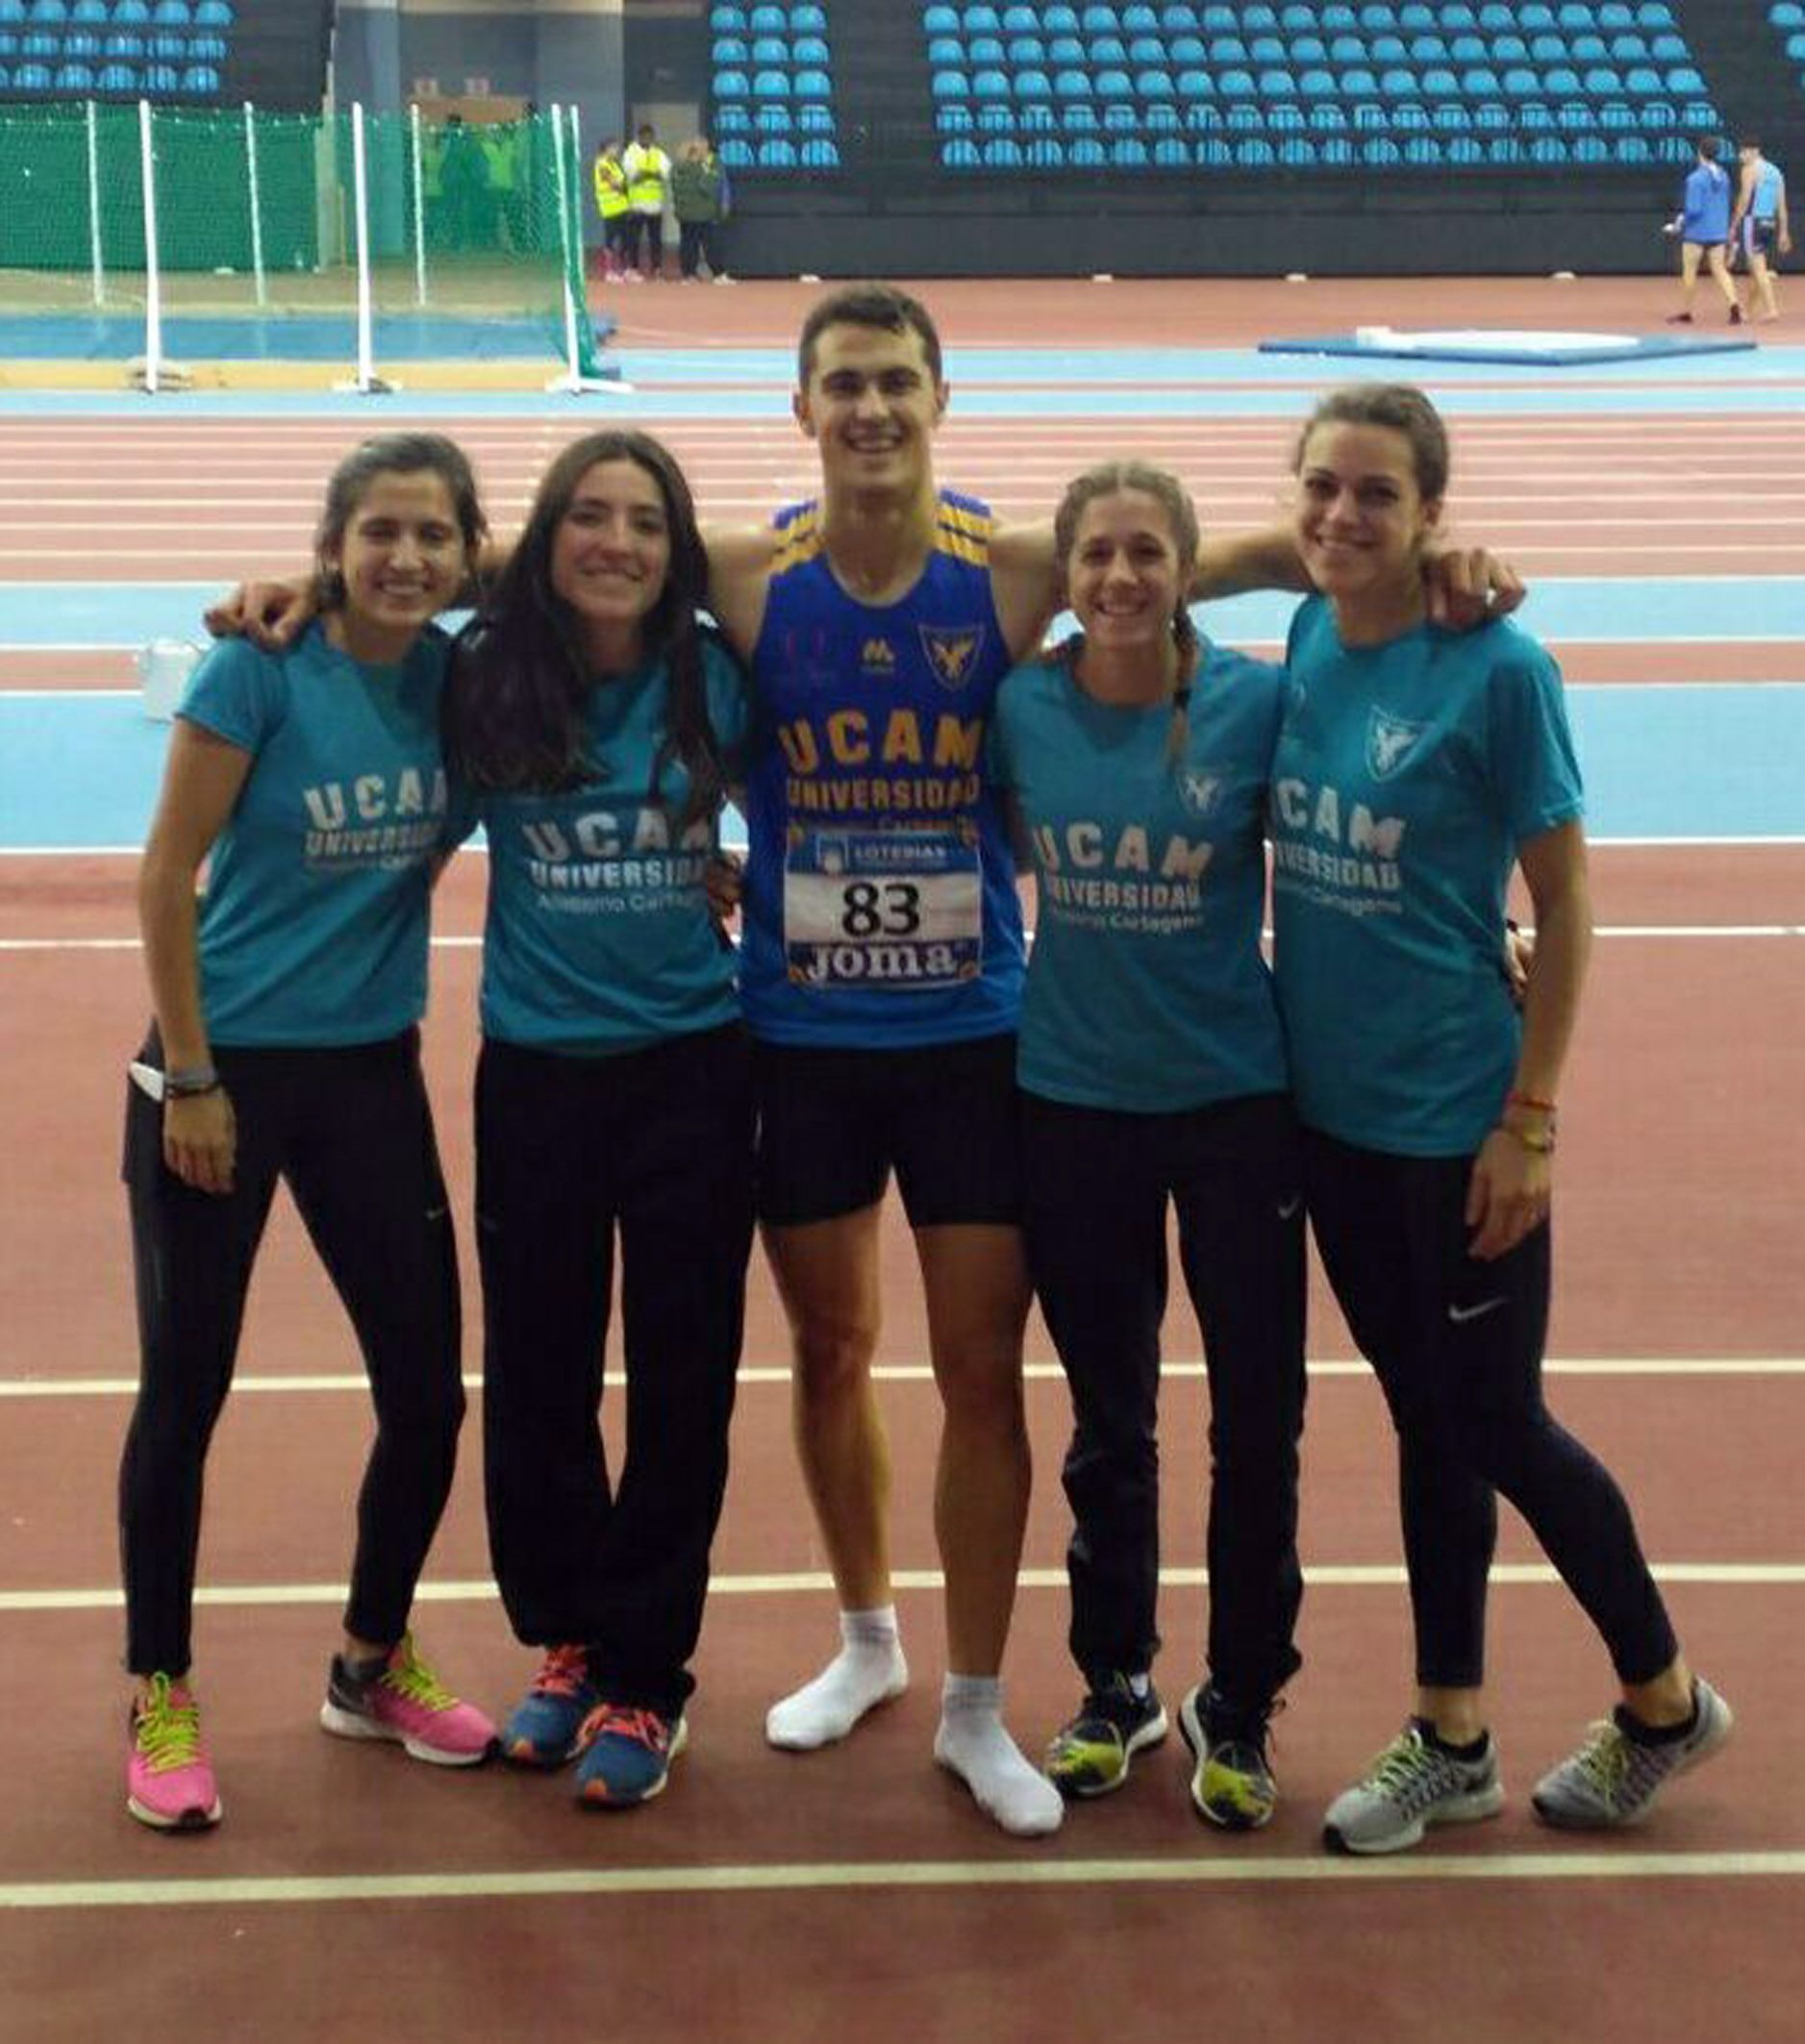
point(367, 378)
point(572, 381)
point(93, 203)
point(419, 203)
point(153, 277)
point(257, 205)
point(563, 242)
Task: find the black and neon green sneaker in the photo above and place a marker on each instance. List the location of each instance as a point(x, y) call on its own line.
point(1231, 1782)
point(1091, 1753)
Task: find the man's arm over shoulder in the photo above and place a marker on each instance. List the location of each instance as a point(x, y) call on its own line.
point(1024, 583)
point(738, 576)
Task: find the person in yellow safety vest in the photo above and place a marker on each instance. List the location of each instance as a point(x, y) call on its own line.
point(648, 180)
point(617, 211)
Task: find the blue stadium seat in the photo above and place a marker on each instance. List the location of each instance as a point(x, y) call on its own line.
point(1236, 84)
point(1227, 49)
point(1451, 117)
point(1176, 19)
point(1683, 77)
point(1587, 49)
point(1547, 49)
point(1643, 82)
point(1078, 117)
point(1097, 20)
point(1509, 49)
point(1548, 149)
point(990, 85)
point(1033, 84)
point(771, 85)
point(1480, 82)
point(1457, 18)
point(1413, 17)
point(162, 78)
point(1146, 49)
point(724, 20)
point(768, 21)
point(1317, 87)
point(727, 50)
point(1021, 49)
point(770, 50)
point(944, 50)
point(1573, 15)
point(1112, 84)
point(1043, 153)
point(1601, 82)
point(201, 79)
point(1072, 84)
point(1161, 118)
point(996, 117)
point(1327, 117)
point(1631, 149)
point(171, 13)
point(80, 42)
point(1021, 20)
point(1197, 84)
point(773, 117)
point(936, 20)
point(1087, 153)
point(1655, 116)
point(1492, 116)
point(1348, 49)
point(736, 154)
point(1297, 153)
point(1253, 152)
point(1427, 49)
point(124, 43)
point(1338, 17)
point(31, 78)
point(1337, 153)
point(1108, 49)
point(819, 153)
point(732, 85)
point(944, 85)
point(52, 12)
point(1259, 15)
point(1629, 48)
point(1060, 20)
point(1128, 152)
point(1295, 19)
point(1497, 17)
point(131, 12)
point(1358, 82)
point(813, 83)
point(1468, 49)
point(1437, 82)
point(732, 120)
point(1157, 84)
point(1308, 49)
point(1520, 83)
point(94, 12)
point(1389, 49)
point(1504, 149)
point(1067, 49)
point(960, 153)
point(1380, 151)
point(777, 154)
point(986, 50)
point(1036, 118)
point(1397, 83)
point(74, 78)
point(1590, 149)
point(1614, 15)
point(1424, 152)
point(952, 118)
point(1533, 117)
point(1575, 117)
point(1172, 153)
point(811, 19)
point(1119, 117)
point(1268, 49)
point(1200, 118)
point(1465, 149)
point(1139, 19)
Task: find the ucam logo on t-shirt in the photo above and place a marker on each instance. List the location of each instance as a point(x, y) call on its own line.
point(1355, 867)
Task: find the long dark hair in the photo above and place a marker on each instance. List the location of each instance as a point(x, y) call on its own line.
point(515, 709)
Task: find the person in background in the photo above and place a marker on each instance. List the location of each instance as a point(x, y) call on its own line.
point(615, 209)
point(647, 170)
point(1760, 225)
point(287, 1046)
point(701, 200)
point(1415, 769)
point(1703, 227)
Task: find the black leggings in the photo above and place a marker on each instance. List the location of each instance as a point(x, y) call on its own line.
point(351, 1132)
point(657, 1145)
point(1457, 1345)
point(1098, 1183)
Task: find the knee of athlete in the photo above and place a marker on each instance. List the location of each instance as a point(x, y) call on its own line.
point(833, 1357)
point(986, 1396)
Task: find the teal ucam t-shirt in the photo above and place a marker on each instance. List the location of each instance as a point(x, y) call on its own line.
point(1146, 991)
point(1407, 775)
point(313, 928)
point(598, 937)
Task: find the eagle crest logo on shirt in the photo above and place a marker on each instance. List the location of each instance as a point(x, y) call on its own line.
point(1199, 788)
point(952, 652)
point(1390, 740)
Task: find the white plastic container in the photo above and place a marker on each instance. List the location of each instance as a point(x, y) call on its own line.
point(163, 667)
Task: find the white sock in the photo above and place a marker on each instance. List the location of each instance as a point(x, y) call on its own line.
point(974, 1744)
point(868, 1670)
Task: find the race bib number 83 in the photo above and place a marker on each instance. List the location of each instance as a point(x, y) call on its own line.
point(897, 910)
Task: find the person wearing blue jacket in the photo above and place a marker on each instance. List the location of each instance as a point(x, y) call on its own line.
point(1703, 227)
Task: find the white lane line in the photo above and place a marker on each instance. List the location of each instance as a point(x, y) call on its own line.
point(791, 1877)
point(1662, 1366)
point(1337, 1575)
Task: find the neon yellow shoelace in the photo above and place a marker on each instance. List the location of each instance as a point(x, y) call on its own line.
point(167, 1733)
point(408, 1676)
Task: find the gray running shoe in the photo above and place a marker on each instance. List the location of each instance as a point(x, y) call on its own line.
point(1090, 1753)
point(1613, 1779)
point(1410, 1786)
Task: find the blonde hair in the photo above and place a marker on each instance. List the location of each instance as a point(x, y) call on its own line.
point(1108, 479)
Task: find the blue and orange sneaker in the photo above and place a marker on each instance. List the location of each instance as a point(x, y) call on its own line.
point(168, 1778)
point(403, 1700)
point(543, 1730)
point(626, 1754)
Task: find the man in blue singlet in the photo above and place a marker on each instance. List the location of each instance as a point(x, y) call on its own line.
point(1703, 226)
point(1759, 226)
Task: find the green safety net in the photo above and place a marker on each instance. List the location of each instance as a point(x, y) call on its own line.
point(472, 236)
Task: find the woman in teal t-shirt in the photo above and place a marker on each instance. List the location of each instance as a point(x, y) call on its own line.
point(1415, 770)
point(596, 725)
point(1152, 1077)
point(287, 1046)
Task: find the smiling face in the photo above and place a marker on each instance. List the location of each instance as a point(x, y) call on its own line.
point(403, 559)
point(1125, 575)
point(873, 406)
point(1361, 517)
point(611, 557)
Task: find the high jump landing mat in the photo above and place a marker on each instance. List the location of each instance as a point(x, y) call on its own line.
point(1529, 347)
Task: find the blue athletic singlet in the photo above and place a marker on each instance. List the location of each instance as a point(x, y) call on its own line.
point(880, 900)
point(1764, 201)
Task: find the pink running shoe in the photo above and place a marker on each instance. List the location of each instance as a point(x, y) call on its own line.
point(405, 1701)
point(168, 1778)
